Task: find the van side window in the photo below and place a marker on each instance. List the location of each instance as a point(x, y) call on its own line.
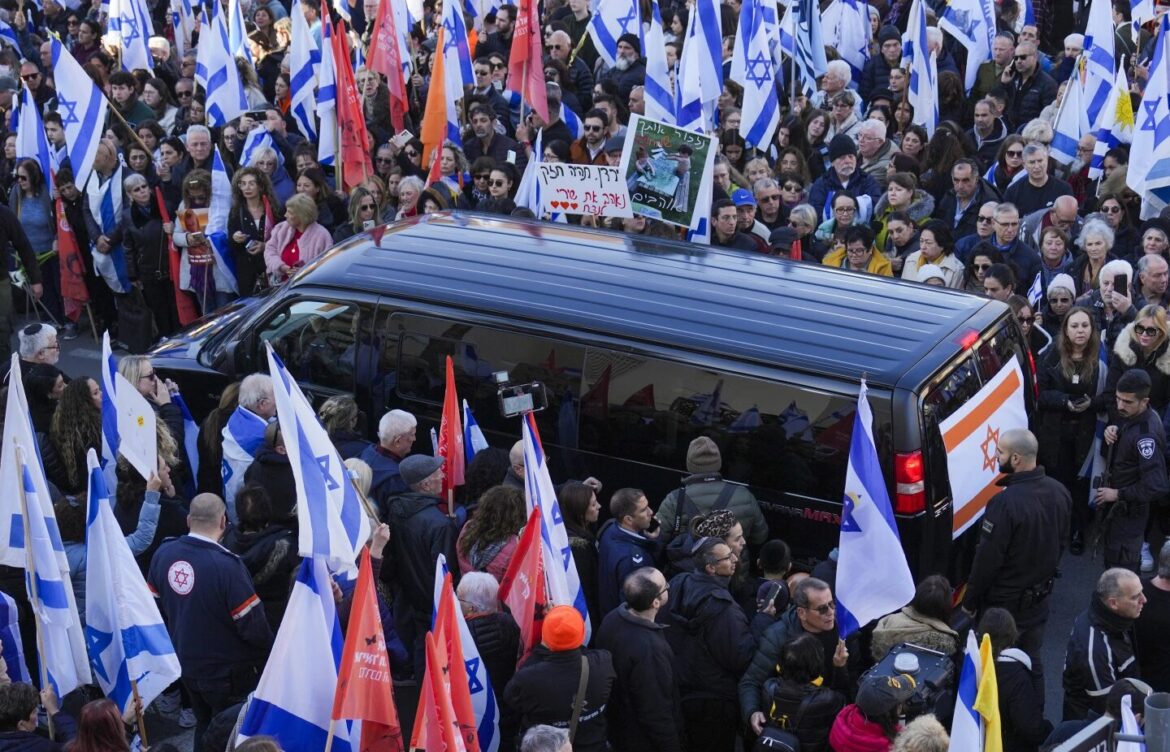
point(477, 352)
point(319, 342)
point(771, 435)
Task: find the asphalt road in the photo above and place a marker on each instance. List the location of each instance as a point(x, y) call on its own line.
point(1071, 595)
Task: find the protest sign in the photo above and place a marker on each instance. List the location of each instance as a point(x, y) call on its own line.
point(136, 427)
point(665, 168)
point(583, 189)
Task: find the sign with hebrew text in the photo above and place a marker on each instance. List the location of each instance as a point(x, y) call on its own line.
point(583, 189)
point(667, 170)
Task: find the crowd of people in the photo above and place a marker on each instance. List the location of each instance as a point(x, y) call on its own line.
point(702, 633)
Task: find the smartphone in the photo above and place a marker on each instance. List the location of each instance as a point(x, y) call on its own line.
point(257, 114)
point(368, 224)
point(1121, 284)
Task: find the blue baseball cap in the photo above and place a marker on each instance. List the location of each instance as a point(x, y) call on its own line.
point(743, 197)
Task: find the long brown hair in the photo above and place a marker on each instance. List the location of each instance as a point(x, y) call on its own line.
point(499, 516)
point(75, 429)
point(1086, 367)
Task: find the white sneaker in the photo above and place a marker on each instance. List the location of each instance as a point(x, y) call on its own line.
point(187, 718)
point(1147, 558)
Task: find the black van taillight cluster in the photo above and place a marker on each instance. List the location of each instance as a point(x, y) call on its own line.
point(909, 483)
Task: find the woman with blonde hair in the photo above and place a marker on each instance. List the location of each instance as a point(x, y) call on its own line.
point(1144, 344)
point(296, 241)
point(159, 392)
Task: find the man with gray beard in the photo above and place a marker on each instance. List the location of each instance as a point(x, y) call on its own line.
point(629, 70)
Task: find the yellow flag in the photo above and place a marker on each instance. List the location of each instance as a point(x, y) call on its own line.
point(987, 699)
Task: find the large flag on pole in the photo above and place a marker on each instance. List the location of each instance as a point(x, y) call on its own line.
point(1149, 177)
point(1100, 61)
point(659, 87)
point(473, 439)
point(436, 729)
point(326, 95)
point(809, 46)
point(333, 524)
point(564, 584)
point(526, 63)
point(224, 268)
point(873, 578)
point(451, 440)
point(456, 66)
point(237, 32)
point(923, 69)
point(1115, 123)
point(183, 22)
point(384, 58)
point(31, 142)
point(987, 699)
point(216, 72)
point(83, 111)
point(128, 641)
point(522, 588)
point(355, 139)
point(700, 72)
point(74, 293)
point(611, 19)
point(111, 439)
point(447, 632)
point(1072, 122)
point(846, 27)
point(294, 700)
point(304, 60)
point(751, 64)
point(972, 24)
point(967, 726)
point(29, 527)
point(130, 28)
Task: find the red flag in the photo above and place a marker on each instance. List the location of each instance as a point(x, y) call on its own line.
point(386, 59)
point(795, 254)
point(365, 690)
point(74, 293)
point(595, 402)
point(447, 634)
point(522, 588)
point(435, 728)
point(451, 439)
point(525, 64)
point(644, 397)
point(184, 303)
point(355, 140)
point(434, 123)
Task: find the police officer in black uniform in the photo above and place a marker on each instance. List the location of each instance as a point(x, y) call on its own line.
point(1021, 539)
point(1136, 473)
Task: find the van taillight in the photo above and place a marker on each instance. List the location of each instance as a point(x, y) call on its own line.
point(1035, 375)
point(909, 483)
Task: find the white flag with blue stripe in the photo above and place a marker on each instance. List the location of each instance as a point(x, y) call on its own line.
point(528, 193)
point(1072, 122)
point(808, 44)
point(972, 24)
point(327, 146)
point(923, 69)
point(473, 438)
point(127, 638)
point(258, 138)
point(1151, 134)
point(8, 36)
point(216, 72)
point(130, 28)
point(333, 524)
point(751, 66)
point(237, 32)
point(612, 19)
point(83, 110)
point(242, 438)
point(483, 695)
point(967, 726)
point(846, 28)
point(111, 439)
point(1100, 63)
point(564, 584)
point(224, 268)
point(190, 437)
point(11, 646)
point(105, 205)
point(304, 61)
point(31, 142)
point(29, 528)
point(574, 124)
point(660, 89)
point(294, 699)
point(183, 22)
point(873, 578)
point(700, 70)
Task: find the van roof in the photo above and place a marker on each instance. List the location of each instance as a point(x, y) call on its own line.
point(681, 295)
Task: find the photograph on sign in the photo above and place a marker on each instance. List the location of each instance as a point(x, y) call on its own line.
point(665, 169)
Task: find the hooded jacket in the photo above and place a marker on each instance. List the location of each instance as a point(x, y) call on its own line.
point(709, 634)
point(910, 626)
point(853, 732)
point(619, 553)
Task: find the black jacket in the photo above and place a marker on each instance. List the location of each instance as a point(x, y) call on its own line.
point(1127, 354)
point(968, 221)
point(544, 688)
point(145, 243)
point(271, 558)
point(1100, 651)
point(26, 741)
point(1027, 98)
point(644, 711)
point(349, 444)
point(271, 471)
point(12, 236)
point(497, 637)
point(1021, 702)
point(710, 635)
point(1055, 422)
point(1138, 471)
point(1021, 539)
point(420, 532)
point(807, 710)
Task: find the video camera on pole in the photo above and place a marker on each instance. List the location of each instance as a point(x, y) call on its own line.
point(517, 399)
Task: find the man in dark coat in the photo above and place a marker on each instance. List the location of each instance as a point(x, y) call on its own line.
point(396, 432)
point(629, 70)
point(959, 207)
point(420, 531)
point(844, 175)
point(624, 544)
point(272, 472)
point(644, 711)
point(544, 688)
point(1021, 538)
point(1029, 89)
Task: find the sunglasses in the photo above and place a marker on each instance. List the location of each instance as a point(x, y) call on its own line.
point(1014, 153)
point(593, 128)
point(30, 76)
point(986, 219)
point(1146, 331)
point(482, 177)
point(793, 188)
point(769, 199)
point(825, 609)
point(22, 178)
point(498, 183)
point(1111, 209)
point(150, 376)
point(498, 66)
point(411, 154)
point(183, 94)
point(1023, 57)
point(1025, 320)
point(982, 267)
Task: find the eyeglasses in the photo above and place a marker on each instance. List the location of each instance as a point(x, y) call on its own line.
point(498, 183)
point(981, 267)
point(1007, 224)
point(498, 66)
point(845, 209)
point(1111, 209)
point(768, 199)
point(1146, 331)
point(1025, 320)
point(663, 591)
point(150, 376)
point(986, 219)
point(557, 46)
point(852, 251)
point(823, 609)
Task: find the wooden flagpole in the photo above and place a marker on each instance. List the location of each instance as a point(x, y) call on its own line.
point(138, 713)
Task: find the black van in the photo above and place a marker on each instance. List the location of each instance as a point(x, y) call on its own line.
point(642, 345)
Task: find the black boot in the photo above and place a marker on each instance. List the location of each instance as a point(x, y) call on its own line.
point(1077, 546)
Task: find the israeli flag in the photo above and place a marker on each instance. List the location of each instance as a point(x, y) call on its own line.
point(923, 69)
point(1151, 134)
point(83, 111)
point(333, 524)
point(1072, 122)
point(294, 699)
point(1141, 11)
point(967, 727)
point(808, 44)
point(183, 22)
point(216, 72)
point(217, 225)
point(31, 142)
point(11, 645)
point(1036, 290)
point(564, 584)
point(612, 19)
point(574, 124)
point(29, 527)
point(111, 438)
point(1100, 63)
point(258, 138)
point(457, 72)
point(190, 437)
point(473, 438)
point(528, 193)
point(700, 73)
point(972, 24)
point(237, 38)
point(873, 578)
point(242, 438)
point(751, 64)
point(659, 88)
point(105, 204)
point(327, 145)
point(127, 638)
point(304, 62)
point(8, 36)
point(483, 696)
point(846, 27)
point(130, 28)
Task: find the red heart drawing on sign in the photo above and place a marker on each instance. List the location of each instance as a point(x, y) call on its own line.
point(574, 204)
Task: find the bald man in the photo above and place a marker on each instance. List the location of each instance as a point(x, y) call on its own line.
point(1021, 537)
point(212, 611)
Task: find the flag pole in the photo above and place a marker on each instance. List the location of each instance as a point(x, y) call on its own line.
point(138, 713)
point(329, 738)
point(451, 502)
point(30, 573)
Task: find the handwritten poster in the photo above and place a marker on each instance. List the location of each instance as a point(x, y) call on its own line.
point(583, 189)
point(665, 169)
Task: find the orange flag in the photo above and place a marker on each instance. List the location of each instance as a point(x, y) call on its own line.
point(355, 140)
point(434, 122)
point(451, 439)
point(365, 690)
point(525, 63)
point(435, 728)
point(447, 634)
point(522, 588)
point(385, 58)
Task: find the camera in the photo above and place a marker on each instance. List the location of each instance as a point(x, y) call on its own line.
point(517, 399)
